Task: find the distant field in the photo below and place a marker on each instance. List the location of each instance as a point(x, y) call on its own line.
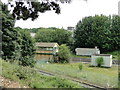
point(107, 77)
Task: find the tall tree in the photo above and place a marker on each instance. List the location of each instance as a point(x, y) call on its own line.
point(10, 37)
point(101, 31)
point(27, 44)
point(16, 43)
point(27, 49)
point(115, 32)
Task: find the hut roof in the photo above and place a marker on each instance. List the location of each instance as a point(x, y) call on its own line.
point(42, 44)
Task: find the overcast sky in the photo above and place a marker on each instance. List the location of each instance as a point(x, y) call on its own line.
point(71, 13)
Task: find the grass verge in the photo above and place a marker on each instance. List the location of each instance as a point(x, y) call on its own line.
point(107, 77)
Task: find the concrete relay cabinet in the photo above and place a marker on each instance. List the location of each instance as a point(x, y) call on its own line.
point(107, 58)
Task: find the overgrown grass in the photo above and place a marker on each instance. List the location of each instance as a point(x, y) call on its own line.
point(107, 77)
point(29, 77)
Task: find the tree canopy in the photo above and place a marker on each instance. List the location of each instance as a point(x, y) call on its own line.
point(102, 31)
point(24, 9)
point(17, 44)
point(60, 36)
point(10, 37)
point(27, 48)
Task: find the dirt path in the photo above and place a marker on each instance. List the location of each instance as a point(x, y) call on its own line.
point(7, 83)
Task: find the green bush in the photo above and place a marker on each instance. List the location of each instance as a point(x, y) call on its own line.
point(64, 54)
point(24, 73)
point(27, 61)
point(80, 66)
point(60, 83)
point(16, 42)
point(100, 61)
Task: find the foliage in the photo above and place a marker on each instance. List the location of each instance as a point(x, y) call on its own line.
point(28, 44)
point(28, 9)
point(64, 54)
point(24, 73)
point(33, 30)
point(16, 43)
point(27, 61)
point(44, 35)
point(60, 36)
point(27, 48)
point(30, 77)
point(100, 61)
point(98, 31)
point(80, 66)
point(115, 54)
point(115, 32)
point(10, 37)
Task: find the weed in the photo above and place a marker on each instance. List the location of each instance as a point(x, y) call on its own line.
point(80, 66)
point(100, 61)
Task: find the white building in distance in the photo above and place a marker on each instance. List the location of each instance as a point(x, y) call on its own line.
point(87, 51)
point(32, 34)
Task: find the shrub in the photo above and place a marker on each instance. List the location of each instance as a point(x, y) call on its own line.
point(100, 61)
point(27, 61)
point(80, 66)
point(24, 72)
point(64, 54)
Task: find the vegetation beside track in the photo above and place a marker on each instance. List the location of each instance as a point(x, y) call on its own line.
point(29, 77)
point(106, 77)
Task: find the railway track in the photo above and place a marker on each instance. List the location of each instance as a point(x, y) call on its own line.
point(84, 84)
